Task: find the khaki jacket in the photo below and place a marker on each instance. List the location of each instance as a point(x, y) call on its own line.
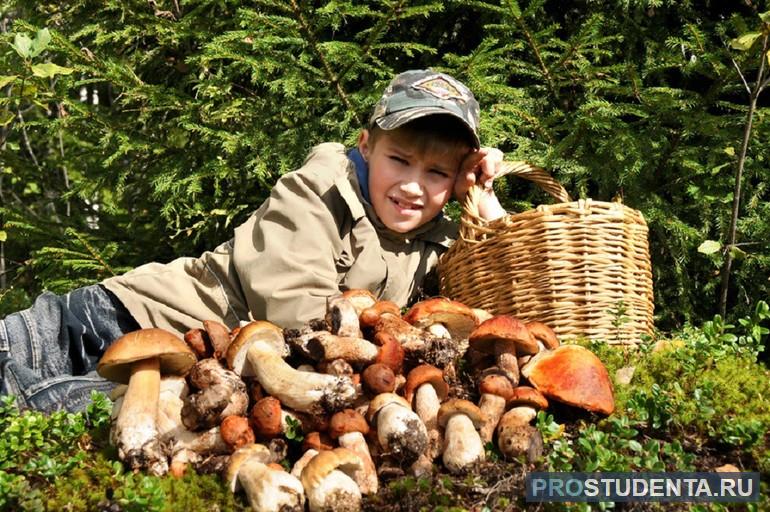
point(314, 235)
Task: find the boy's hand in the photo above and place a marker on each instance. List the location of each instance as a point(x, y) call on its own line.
point(481, 166)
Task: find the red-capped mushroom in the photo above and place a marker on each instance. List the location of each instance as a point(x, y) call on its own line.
point(573, 375)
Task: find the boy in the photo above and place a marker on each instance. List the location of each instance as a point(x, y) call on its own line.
point(371, 218)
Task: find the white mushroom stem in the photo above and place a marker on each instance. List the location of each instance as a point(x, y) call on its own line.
point(337, 492)
point(325, 346)
point(463, 445)
point(440, 330)
point(135, 431)
point(426, 405)
point(401, 432)
point(493, 406)
point(366, 477)
point(310, 392)
point(271, 490)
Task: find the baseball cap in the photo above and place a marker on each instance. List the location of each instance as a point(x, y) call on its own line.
point(418, 93)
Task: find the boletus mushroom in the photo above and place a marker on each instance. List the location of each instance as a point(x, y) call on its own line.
point(138, 358)
point(268, 489)
point(573, 375)
point(328, 481)
point(258, 350)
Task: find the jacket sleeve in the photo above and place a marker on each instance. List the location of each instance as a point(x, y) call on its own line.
point(285, 254)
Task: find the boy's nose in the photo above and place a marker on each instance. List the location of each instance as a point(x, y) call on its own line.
point(411, 187)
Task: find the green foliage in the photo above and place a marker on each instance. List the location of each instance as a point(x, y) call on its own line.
point(135, 131)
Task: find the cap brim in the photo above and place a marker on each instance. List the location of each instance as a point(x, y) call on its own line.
point(400, 118)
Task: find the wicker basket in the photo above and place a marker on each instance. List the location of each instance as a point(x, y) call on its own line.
point(581, 267)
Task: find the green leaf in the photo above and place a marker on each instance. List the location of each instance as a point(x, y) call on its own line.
point(6, 79)
point(765, 16)
point(6, 117)
point(737, 253)
point(22, 44)
point(40, 43)
point(730, 150)
point(3, 236)
point(709, 247)
point(50, 69)
point(745, 41)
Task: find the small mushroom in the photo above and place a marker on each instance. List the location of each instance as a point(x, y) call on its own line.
point(349, 427)
point(543, 334)
point(371, 315)
point(328, 481)
point(222, 393)
point(219, 336)
point(505, 337)
point(360, 299)
point(400, 431)
point(515, 435)
point(236, 432)
point(391, 352)
point(462, 444)
point(267, 488)
point(258, 350)
point(379, 378)
point(342, 317)
point(573, 375)
point(270, 420)
point(495, 392)
point(455, 316)
point(425, 389)
point(138, 358)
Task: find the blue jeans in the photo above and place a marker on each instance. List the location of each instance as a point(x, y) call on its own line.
point(48, 353)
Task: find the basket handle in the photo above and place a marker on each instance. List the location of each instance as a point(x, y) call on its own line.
point(472, 226)
point(536, 175)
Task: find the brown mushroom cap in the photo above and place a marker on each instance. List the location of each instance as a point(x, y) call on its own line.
point(236, 432)
point(543, 333)
point(496, 384)
point(346, 421)
point(460, 406)
point(265, 418)
point(174, 355)
point(531, 397)
point(574, 375)
point(379, 378)
point(503, 333)
point(458, 318)
point(260, 330)
point(425, 374)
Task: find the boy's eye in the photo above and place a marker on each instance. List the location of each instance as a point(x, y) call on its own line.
point(439, 172)
point(398, 159)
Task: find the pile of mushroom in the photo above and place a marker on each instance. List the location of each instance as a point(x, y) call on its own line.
point(368, 391)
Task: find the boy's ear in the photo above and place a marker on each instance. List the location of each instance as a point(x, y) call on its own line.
point(363, 143)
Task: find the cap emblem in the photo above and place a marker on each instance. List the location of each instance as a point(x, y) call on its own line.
point(440, 87)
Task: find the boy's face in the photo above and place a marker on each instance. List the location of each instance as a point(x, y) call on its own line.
point(408, 186)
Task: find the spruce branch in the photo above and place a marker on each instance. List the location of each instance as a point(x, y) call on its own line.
point(376, 32)
point(516, 13)
point(330, 74)
point(91, 250)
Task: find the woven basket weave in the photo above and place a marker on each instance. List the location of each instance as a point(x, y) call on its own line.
point(573, 265)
